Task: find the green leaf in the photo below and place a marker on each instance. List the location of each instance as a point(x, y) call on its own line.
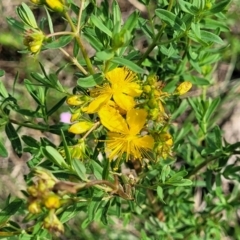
point(54, 156)
point(181, 183)
point(171, 19)
point(188, 7)
point(16, 24)
point(117, 16)
point(160, 194)
point(219, 6)
point(213, 24)
point(56, 106)
point(30, 141)
point(10, 210)
point(3, 151)
point(131, 22)
point(104, 55)
point(2, 73)
point(32, 90)
point(211, 108)
point(131, 65)
point(99, 24)
point(3, 90)
point(92, 39)
point(198, 81)
point(90, 81)
point(94, 205)
point(59, 43)
point(211, 37)
point(50, 23)
point(97, 170)
point(79, 168)
point(14, 139)
point(76, 48)
point(25, 13)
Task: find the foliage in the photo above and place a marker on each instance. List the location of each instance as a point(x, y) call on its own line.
point(126, 155)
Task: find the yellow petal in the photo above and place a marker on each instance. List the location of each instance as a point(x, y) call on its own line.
point(124, 101)
point(113, 120)
point(97, 103)
point(146, 142)
point(80, 127)
point(133, 89)
point(136, 118)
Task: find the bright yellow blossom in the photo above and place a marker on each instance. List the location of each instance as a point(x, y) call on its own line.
point(121, 87)
point(124, 135)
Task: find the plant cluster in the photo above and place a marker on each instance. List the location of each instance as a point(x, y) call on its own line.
point(124, 154)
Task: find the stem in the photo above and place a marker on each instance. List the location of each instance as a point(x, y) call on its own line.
point(37, 127)
point(80, 17)
point(157, 37)
point(78, 39)
point(74, 61)
point(59, 33)
point(93, 128)
point(200, 166)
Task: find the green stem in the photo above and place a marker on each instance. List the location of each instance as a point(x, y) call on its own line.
point(200, 166)
point(37, 127)
point(80, 17)
point(74, 61)
point(156, 38)
point(59, 33)
point(79, 41)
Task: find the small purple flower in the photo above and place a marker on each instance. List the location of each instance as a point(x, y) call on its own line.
point(65, 117)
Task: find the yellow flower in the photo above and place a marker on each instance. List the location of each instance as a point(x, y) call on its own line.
point(121, 88)
point(124, 135)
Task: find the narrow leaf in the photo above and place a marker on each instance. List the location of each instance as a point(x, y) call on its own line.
point(14, 139)
point(171, 19)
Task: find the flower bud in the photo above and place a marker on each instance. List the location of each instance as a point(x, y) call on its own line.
point(183, 88)
point(152, 103)
point(52, 223)
point(34, 207)
point(75, 100)
point(80, 127)
point(76, 115)
point(52, 201)
point(37, 2)
point(33, 191)
point(147, 88)
point(33, 40)
point(55, 5)
point(78, 151)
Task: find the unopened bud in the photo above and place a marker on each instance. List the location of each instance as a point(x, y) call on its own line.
point(80, 127)
point(37, 2)
point(75, 100)
point(183, 88)
point(55, 5)
point(33, 40)
point(52, 223)
point(52, 201)
point(34, 207)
